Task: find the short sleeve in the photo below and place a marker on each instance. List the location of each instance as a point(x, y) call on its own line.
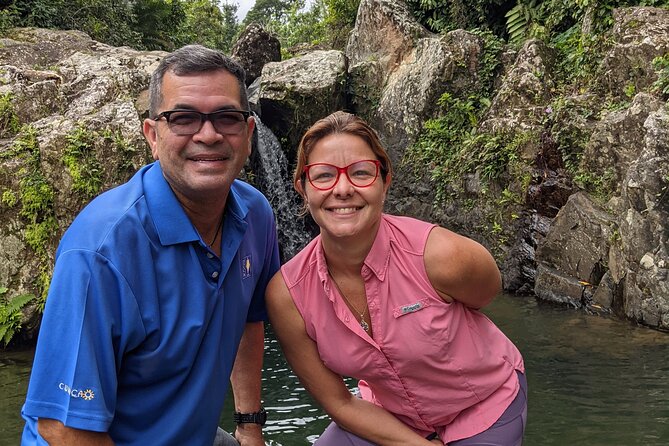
point(90, 319)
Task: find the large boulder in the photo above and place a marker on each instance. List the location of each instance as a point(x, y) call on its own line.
point(640, 261)
point(385, 33)
point(574, 255)
point(255, 48)
point(526, 88)
point(297, 92)
point(639, 35)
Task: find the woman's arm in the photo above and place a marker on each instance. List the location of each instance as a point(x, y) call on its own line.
point(461, 269)
point(353, 414)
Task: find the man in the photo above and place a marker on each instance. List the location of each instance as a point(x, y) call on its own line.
point(158, 284)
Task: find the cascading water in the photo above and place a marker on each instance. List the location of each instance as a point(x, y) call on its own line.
point(270, 166)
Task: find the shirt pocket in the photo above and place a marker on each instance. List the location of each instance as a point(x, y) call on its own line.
point(410, 308)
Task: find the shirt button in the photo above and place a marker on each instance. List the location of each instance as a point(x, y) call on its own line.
point(210, 255)
point(214, 275)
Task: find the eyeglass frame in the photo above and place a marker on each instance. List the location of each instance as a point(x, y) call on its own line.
point(204, 117)
point(379, 170)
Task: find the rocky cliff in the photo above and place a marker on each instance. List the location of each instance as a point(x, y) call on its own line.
point(70, 123)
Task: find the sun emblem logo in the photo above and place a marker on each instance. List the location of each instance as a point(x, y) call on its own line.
point(246, 267)
point(88, 395)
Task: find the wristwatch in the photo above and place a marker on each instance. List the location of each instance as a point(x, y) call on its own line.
point(255, 417)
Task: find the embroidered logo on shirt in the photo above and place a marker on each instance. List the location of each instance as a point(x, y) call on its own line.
point(411, 308)
point(87, 394)
point(246, 267)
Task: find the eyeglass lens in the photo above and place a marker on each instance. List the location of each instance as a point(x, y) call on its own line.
point(190, 122)
point(324, 176)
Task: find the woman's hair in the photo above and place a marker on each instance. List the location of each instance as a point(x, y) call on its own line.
point(339, 122)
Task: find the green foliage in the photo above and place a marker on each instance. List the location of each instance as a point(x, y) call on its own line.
point(9, 16)
point(9, 121)
point(340, 20)
point(36, 196)
point(600, 186)
point(579, 56)
point(661, 65)
point(81, 163)
point(141, 24)
point(204, 22)
point(450, 148)
point(446, 15)
point(523, 21)
point(299, 26)
point(9, 198)
point(266, 12)
point(11, 314)
point(109, 21)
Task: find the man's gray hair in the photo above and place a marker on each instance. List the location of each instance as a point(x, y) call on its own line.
point(193, 59)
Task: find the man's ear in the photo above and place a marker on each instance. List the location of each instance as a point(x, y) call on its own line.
point(251, 122)
point(151, 135)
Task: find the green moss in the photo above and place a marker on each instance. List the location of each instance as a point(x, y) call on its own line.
point(9, 198)
point(599, 185)
point(36, 197)
point(9, 121)
point(450, 148)
point(83, 166)
point(661, 66)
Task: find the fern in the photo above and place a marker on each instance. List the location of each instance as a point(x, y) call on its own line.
point(520, 20)
point(11, 315)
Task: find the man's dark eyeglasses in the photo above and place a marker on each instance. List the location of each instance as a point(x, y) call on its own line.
point(189, 122)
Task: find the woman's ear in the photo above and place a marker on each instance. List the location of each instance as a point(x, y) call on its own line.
point(386, 184)
point(298, 185)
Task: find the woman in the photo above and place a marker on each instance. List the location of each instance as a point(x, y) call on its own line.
point(392, 301)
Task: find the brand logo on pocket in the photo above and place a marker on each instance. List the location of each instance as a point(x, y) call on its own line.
point(246, 267)
point(411, 308)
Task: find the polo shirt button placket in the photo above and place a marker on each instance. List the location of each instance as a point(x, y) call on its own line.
point(210, 255)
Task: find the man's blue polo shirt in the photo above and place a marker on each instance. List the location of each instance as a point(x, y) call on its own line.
point(142, 322)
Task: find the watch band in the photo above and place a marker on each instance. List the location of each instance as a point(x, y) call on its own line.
point(255, 417)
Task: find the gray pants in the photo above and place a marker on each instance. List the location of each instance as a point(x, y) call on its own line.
point(507, 431)
point(224, 439)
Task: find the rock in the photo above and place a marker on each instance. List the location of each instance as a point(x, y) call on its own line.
point(74, 98)
point(255, 48)
point(576, 248)
point(640, 35)
point(297, 92)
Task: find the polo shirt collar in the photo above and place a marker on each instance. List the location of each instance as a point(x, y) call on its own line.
point(169, 217)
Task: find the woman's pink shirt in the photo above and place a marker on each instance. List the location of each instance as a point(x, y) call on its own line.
point(436, 366)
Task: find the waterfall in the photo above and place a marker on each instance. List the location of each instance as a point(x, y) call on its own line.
point(270, 166)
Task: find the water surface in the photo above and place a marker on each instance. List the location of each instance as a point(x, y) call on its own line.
point(592, 381)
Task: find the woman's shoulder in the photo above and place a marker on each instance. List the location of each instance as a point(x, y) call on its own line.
point(302, 264)
point(408, 232)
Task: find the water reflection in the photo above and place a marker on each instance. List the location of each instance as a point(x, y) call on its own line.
point(592, 381)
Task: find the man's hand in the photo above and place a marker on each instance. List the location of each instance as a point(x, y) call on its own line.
point(249, 434)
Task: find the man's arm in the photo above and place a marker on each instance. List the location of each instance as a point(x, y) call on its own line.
point(56, 433)
point(246, 381)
